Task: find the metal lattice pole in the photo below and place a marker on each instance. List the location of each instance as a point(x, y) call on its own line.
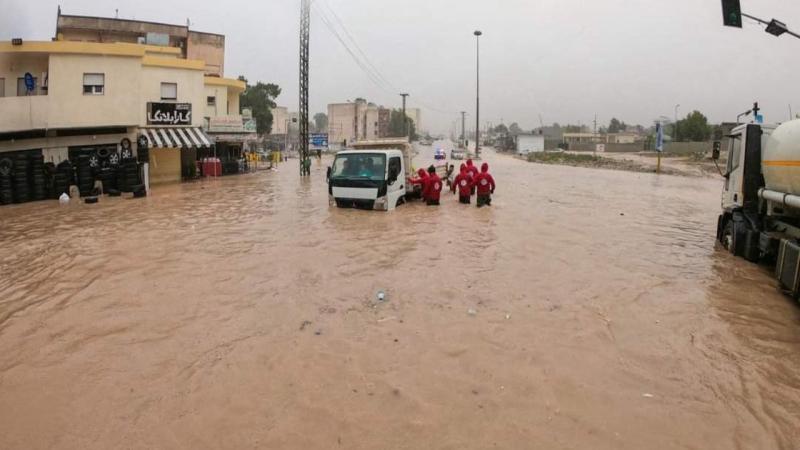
point(305, 26)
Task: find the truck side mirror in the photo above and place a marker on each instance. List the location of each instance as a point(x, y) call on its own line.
point(715, 151)
point(328, 173)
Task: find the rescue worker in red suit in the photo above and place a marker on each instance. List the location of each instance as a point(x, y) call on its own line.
point(463, 183)
point(485, 185)
point(433, 188)
point(473, 171)
point(421, 180)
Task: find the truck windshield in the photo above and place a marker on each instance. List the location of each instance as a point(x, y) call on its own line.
point(370, 166)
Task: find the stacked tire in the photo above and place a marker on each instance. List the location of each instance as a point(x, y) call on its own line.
point(21, 184)
point(84, 173)
point(127, 175)
point(37, 178)
point(6, 192)
point(63, 178)
point(107, 176)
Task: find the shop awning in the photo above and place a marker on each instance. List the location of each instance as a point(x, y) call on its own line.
point(176, 137)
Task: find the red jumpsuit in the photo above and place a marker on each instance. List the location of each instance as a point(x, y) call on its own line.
point(486, 186)
point(464, 183)
point(433, 189)
point(422, 181)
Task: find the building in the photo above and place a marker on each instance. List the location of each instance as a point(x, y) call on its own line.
point(579, 138)
point(96, 93)
point(194, 45)
point(529, 143)
point(415, 114)
point(356, 121)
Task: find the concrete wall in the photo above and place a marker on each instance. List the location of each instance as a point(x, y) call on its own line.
point(221, 94)
point(677, 148)
point(341, 122)
point(71, 108)
point(191, 89)
point(279, 117)
point(209, 48)
point(14, 66)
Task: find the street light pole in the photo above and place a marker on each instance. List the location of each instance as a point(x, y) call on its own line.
point(478, 34)
point(675, 130)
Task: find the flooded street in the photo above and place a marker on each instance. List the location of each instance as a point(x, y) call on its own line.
point(241, 313)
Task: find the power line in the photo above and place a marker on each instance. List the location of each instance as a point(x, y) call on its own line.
point(358, 47)
point(370, 74)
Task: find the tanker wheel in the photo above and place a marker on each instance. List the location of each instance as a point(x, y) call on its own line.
point(734, 237)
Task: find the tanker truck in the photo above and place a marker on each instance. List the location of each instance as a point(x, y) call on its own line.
point(760, 218)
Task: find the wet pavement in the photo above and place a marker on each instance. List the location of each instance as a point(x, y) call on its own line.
point(241, 313)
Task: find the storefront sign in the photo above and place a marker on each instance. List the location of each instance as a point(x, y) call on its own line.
point(250, 125)
point(225, 124)
point(169, 113)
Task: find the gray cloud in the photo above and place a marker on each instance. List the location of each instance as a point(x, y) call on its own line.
point(565, 60)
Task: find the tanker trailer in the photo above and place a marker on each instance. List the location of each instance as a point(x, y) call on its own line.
point(760, 218)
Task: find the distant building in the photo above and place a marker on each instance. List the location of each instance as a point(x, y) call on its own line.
point(416, 115)
point(579, 138)
point(529, 143)
point(356, 121)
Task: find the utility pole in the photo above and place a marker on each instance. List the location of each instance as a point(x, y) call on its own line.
point(405, 117)
point(478, 35)
point(305, 27)
point(463, 127)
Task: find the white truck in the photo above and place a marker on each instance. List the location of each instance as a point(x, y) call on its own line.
point(371, 175)
point(760, 218)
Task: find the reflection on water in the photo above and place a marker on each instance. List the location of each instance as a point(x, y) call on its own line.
point(241, 312)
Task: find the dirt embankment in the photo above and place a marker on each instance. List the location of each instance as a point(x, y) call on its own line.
point(696, 165)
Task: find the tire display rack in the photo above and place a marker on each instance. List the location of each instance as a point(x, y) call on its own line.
point(25, 177)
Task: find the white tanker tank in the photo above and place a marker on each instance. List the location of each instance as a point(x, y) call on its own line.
point(780, 159)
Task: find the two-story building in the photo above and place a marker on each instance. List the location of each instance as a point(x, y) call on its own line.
point(92, 91)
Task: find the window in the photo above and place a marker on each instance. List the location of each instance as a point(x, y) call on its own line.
point(211, 101)
point(169, 91)
point(93, 83)
point(734, 153)
point(2, 87)
point(366, 166)
point(394, 166)
point(22, 90)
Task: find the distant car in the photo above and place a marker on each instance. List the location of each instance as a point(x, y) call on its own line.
point(439, 155)
point(456, 154)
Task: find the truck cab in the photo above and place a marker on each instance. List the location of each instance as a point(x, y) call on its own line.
point(368, 179)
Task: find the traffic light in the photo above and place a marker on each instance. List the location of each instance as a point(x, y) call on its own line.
point(732, 13)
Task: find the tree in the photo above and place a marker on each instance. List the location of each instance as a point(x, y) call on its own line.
point(616, 126)
point(573, 129)
point(397, 127)
point(514, 129)
point(321, 122)
point(694, 127)
point(501, 129)
point(260, 98)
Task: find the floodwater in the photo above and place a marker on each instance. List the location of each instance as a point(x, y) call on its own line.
point(241, 313)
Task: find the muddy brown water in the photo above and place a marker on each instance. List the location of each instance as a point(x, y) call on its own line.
point(241, 313)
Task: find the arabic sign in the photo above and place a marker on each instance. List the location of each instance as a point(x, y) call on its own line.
point(225, 124)
point(318, 140)
point(169, 113)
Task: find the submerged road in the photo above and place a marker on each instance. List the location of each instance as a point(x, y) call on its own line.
point(241, 313)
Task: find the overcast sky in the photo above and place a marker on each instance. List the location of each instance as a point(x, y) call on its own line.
point(565, 60)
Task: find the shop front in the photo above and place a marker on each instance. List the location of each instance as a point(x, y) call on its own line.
point(174, 145)
point(235, 138)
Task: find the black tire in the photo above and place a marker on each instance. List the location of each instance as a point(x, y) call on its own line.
point(90, 200)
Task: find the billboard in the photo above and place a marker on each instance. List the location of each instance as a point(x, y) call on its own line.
point(318, 140)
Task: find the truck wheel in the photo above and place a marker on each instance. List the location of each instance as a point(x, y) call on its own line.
point(727, 238)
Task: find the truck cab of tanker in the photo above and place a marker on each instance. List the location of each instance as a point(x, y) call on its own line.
point(760, 218)
point(368, 178)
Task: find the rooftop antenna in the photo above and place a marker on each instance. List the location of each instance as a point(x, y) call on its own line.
point(116, 13)
point(188, 23)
